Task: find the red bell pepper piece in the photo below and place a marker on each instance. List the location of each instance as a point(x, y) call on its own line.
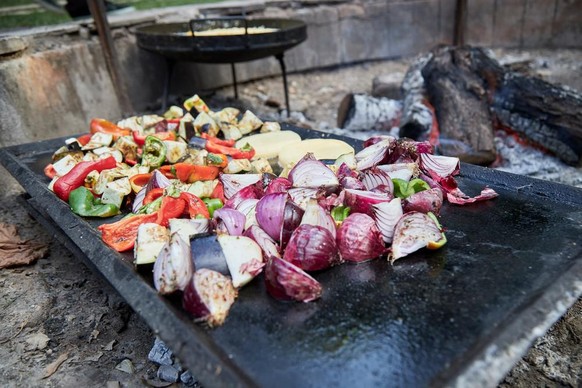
point(138, 181)
point(121, 235)
point(76, 177)
point(190, 173)
point(236, 153)
point(164, 135)
point(171, 208)
point(195, 206)
point(218, 192)
point(152, 195)
point(215, 140)
point(104, 126)
point(84, 139)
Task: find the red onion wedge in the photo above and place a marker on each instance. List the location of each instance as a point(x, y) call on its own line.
point(243, 257)
point(285, 281)
point(312, 248)
point(443, 166)
point(414, 231)
point(249, 192)
point(375, 177)
point(301, 195)
point(267, 244)
point(375, 154)
point(312, 173)
point(229, 221)
point(386, 215)
point(278, 185)
point(359, 239)
point(361, 201)
point(291, 220)
point(404, 171)
point(426, 201)
point(188, 227)
point(234, 182)
point(173, 267)
point(270, 213)
point(209, 296)
point(317, 215)
point(248, 208)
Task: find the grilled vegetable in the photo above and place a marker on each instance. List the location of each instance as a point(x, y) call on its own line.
point(76, 177)
point(154, 152)
point(150, 240)
point(209, 296)
point(83, 203)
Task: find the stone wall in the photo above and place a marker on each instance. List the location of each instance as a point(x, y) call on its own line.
point(54, 80)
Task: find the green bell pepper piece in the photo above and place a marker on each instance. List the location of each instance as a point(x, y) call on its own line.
point(154, 152)
point(212, 204)
point(404, 189)
point(340, 213)
point(83, 203)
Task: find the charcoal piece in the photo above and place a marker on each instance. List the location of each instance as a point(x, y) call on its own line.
point(160, 353)
point(168, 373)
point(460, 99)
point(361, 112)
point(189, 380)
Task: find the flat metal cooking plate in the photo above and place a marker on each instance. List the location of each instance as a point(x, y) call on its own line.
point(511, 266)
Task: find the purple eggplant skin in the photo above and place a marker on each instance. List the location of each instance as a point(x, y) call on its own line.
point(209, 296)
point(359, 239)
point(424, 201)
point(285, 281)
point(312, 248)
point(291, 220)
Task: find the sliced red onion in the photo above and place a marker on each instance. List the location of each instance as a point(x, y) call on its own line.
point(386, 215)
point(302, 195)
point(243, 257)
point(188, 227)
point(312, 173)
point(376, 139)
point(344, 171)
point(443, 166)
point(373, 177)
point(286, 281)
point(361, 201)
point(459, 198)
point(270, 213)
point(229, 221)
point(404, 171)
point(424, 201)
point(375, 154)
point(349, 182)
point(332, 200)
point(312, 248)
point(173, 267)
point(359, 239)
point(317, 215)
point(291, 220)
point(157, 180)
point(414, 231)
point(407, 151)
point(248, 208)
point(267, 244)
point(249, 192)
point(278, 185)
point(235, 182)
point(209, 296)
point(138, 201)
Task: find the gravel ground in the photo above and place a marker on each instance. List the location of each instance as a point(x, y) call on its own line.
point(59, 311)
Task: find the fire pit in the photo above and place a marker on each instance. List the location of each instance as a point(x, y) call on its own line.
point(222, 40)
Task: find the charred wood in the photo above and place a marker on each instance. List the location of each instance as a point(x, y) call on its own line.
point(461, 102)
point(360, 112)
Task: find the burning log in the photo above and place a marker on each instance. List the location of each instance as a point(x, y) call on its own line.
point(359, 112)
point(462, 108)
point(473, 94)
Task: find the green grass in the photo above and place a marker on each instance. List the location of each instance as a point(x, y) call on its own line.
point(43, 17)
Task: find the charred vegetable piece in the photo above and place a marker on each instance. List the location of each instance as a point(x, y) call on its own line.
point(76, 177)
point(243, 257)
point(414, 231)
point(190, 173)
point(195, 206)
point(359, 239)
point(121, 235)
point(105, 126)
point(154, 152)
point(286, 281)
point(209, 296)
point(83, 203)
point(170, 208)
point(150, 241)
point(245, 152)
point(173, 267)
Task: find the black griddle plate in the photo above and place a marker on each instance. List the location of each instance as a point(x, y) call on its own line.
point(455, 316)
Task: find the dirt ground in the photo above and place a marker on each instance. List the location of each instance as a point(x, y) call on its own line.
point(56, 312)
